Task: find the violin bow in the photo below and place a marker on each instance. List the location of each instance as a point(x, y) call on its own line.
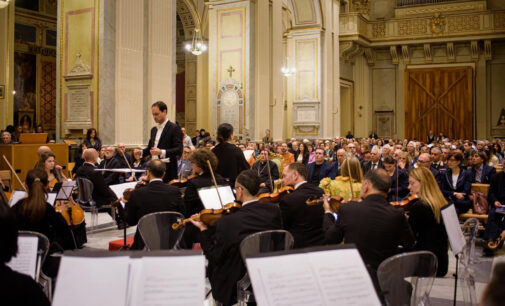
point(126, 160)
point(15, 174)
point(215, 183)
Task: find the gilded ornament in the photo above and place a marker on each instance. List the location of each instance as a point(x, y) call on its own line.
point(437, 24)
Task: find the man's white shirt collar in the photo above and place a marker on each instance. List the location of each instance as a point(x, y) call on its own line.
point(299, 184)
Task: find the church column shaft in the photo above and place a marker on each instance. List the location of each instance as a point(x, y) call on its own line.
point(6, 69)
point(276, 111)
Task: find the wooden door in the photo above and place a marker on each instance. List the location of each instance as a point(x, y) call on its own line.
point(439, 99)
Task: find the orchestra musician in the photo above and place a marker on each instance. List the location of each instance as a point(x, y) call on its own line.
point(154, 197)
point(304, 222)
point(192, 202)
point(221, 244)
point(267, 175)
point(425, 219)
point(231, 158)
point(47, 163)
point(165, 140)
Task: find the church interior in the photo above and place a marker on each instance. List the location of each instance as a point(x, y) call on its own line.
point(323, 72)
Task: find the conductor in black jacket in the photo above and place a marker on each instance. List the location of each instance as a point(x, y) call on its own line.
point(231, 158)
point(221, 245)
point(374, 225)
point(165, 141)
point(156, 196)
point(102, 194)
point(304, 222)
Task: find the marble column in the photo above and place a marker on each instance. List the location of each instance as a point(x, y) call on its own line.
point(7, 60)
point(261, 69)
point(276, 111)
point(362, 104)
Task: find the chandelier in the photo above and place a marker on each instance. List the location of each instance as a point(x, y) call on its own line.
point(288, 71)
point(3, 3)
point(197, 46)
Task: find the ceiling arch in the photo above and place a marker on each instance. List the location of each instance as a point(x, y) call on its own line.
point(188, 16)
point(306, 13)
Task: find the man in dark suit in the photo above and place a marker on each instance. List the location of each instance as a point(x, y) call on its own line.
point(374, 225)
point(261, 167)
point(496, 199)
point(102, 194)
point(374, 163)
point(165, 141)
point(120, 150)
point(436, 160)
point(110, 162)
point(304, 222)
point(320, 169)
point(156, 196)
point(480, 172)
point(221, 244)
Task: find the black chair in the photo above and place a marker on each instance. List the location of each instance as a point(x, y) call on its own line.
point(85, 200)
point(257, 243)
point(157, 232)
point(420, 267)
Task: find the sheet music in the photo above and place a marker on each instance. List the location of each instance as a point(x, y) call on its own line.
point(453, 229)
point(16, 196)
point(65, 190)
point(333, 277)
point(172, 280)
point(92, 281)
point(51, 198)
point(119, 189)
point(210, 199)
point(26, 259)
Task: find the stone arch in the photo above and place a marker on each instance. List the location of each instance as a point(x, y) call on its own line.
point(306, 13)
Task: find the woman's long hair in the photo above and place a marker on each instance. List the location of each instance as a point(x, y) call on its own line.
point(34, 206)
point(430, 192)
point(354, 167)
point(42, 164)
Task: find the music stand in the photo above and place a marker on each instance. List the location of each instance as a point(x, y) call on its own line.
point(64, 191)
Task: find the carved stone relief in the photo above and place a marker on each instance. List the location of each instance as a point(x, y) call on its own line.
point(412, 27)
point(463, 23)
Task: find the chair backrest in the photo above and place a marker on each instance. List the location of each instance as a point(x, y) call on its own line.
point(85, 195)
point(484, 188)
point(156, 230)
point(266, 241)
point(42, 249)
point(470, 231)
point(420, 266)
point(5, 175)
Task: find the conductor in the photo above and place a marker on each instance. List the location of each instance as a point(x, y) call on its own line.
point(165, 141)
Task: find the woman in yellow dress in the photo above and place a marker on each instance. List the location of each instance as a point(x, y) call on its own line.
point(341, 185)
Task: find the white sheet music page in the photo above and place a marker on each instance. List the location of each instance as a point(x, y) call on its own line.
point(333, 277)
point(16, 196)
point(453, 229)
point(26, 259)
point(119, 189)
point(92, 281)
point(210, 198)
point(170, 280)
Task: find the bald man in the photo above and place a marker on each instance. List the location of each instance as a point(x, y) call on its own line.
point(120, 150)
point(102, 194)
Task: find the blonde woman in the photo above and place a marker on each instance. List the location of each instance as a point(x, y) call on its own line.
point(424, 216)
point(341, 185)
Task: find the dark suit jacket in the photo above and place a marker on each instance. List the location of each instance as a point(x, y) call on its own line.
point(487, 173)
point(20, 289)
point(374, 225)
point(121, 160)
point(262, 171)
point(463, 185)
point(495, 224)
point(327, 170)
point(111, 178)
point(231, 161)
point(156, 196)
point(102, 194)
point(368, 165)
point(401, 185)
point(304, 222)
point(222, 246)
point(171, 142)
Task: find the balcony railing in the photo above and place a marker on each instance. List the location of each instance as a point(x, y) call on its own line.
point(400, 3)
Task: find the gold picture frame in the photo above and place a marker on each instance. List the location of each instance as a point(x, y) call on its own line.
point(2, 91)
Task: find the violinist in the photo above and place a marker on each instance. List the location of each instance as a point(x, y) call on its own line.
point(302, 221)
point(221, 244)
point(47, 163)
point(267, 171)
point(192, 202)
point(154, 197)
point(35, 214)
point(424, 216)
point(399, 180)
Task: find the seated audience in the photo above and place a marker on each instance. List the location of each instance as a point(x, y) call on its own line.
point(425, 219)
point(496, 200)
point(456, 184)
point(15, 288)
point(137, 163)
point(266, 169)
point(221, 245)
point(320, 169)
point(7, 138)
point(110, 162)
point(78, 160)
point(92, 140)
point(341, 185)
point(304, 222)
point(399, 180)
point(184, 168)
point(480, 171)
point(375, 161)
point(118, 155)
point(156, 196)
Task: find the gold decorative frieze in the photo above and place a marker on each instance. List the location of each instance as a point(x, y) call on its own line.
point(463, 23)
point(499, 20)
point(437, 24)
point(379, 30)
point(441, 7)
point(412, 27)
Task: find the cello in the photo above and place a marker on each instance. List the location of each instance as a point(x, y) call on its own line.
point(70, 211)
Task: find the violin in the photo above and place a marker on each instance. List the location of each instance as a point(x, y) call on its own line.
point(70, 211)
point(209, 217)
point(275, 197)
point(181, 182)
point(405, 203)
point(334, 201)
